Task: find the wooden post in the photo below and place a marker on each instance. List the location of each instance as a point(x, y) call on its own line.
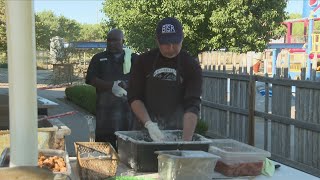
point(252, 98)
point(266, 110)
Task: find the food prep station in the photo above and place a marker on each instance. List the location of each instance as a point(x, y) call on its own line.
point(141, 158)
point(201, 158)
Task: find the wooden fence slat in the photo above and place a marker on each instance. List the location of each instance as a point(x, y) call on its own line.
point(304, 116)
point(273, 124)
point(236, 116)
point(242, 103)
point(309, 133)
point(233, 63)
point(224, 62)
point(214, 99)
point(296, 150)
point(266, 110)
point(234, 101)
point(234, 104)
point(224, 101)
point(245, 131)
point(239, 120)
point(219, 112)
point(251, 108)
point(315, 140)
point(232, 115)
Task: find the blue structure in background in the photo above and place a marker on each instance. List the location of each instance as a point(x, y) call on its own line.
point(86, 45)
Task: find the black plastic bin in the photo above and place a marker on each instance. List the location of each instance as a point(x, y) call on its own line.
point(137, 150)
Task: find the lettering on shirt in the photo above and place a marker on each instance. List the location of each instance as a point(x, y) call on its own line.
point(168, 74)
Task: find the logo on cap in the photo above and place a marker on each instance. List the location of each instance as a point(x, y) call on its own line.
point(168, 28)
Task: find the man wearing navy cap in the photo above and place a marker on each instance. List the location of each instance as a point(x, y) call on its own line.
point(165, 85)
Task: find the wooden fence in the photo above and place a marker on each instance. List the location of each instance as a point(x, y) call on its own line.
point(232, 103)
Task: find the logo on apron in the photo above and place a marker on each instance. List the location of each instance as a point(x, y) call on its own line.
point(167, 74)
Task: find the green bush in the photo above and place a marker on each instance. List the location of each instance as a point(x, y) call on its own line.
point(202, 127)
point(3, 65)
point(84, 96)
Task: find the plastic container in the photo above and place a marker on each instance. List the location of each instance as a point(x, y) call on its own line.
point(96, 160)
point(186, 165)
point(237, 159)
point(60, 153)
point(5, 160)
point(136, 149)
point(51, 135)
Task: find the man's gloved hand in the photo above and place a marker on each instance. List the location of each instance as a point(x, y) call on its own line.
point(117, 90)
point(154, 131)
point(124, 85)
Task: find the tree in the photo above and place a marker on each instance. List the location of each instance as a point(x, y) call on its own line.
point(69, 29)
point(91, 32)
point(3, 36)
point(238, 25)
point(46, 23)
point(49, 25)
point(247, 25)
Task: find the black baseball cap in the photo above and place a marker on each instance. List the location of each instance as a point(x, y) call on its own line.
point(169, 31)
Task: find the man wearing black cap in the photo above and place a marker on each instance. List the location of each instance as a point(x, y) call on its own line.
point(165, 85)
point(108, 72)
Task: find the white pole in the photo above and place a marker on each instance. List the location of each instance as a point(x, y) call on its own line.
point(22, 83)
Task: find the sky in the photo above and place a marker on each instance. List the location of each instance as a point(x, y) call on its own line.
point(89, 11)
point(294, 6)
point(83, 11)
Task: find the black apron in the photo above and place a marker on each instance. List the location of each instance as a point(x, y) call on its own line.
point(112, 113)
point(163, 99)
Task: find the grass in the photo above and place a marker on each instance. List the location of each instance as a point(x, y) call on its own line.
point(202, 127)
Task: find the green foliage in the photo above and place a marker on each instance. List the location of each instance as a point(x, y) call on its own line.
point(69, 29)
point(4, 65)
point(247, 25)
point(3, 37)
point(239, 25)
point(49, 25)
point(202, 127)
point(46, 26)
point(91, 32)
point(84, 96)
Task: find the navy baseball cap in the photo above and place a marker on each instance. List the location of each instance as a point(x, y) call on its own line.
point(169, 31)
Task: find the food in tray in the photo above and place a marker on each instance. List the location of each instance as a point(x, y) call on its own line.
point(239, 169)
point(53, 163)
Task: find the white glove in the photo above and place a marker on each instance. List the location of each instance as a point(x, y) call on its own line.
point(154, 131)
point(117, 90)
